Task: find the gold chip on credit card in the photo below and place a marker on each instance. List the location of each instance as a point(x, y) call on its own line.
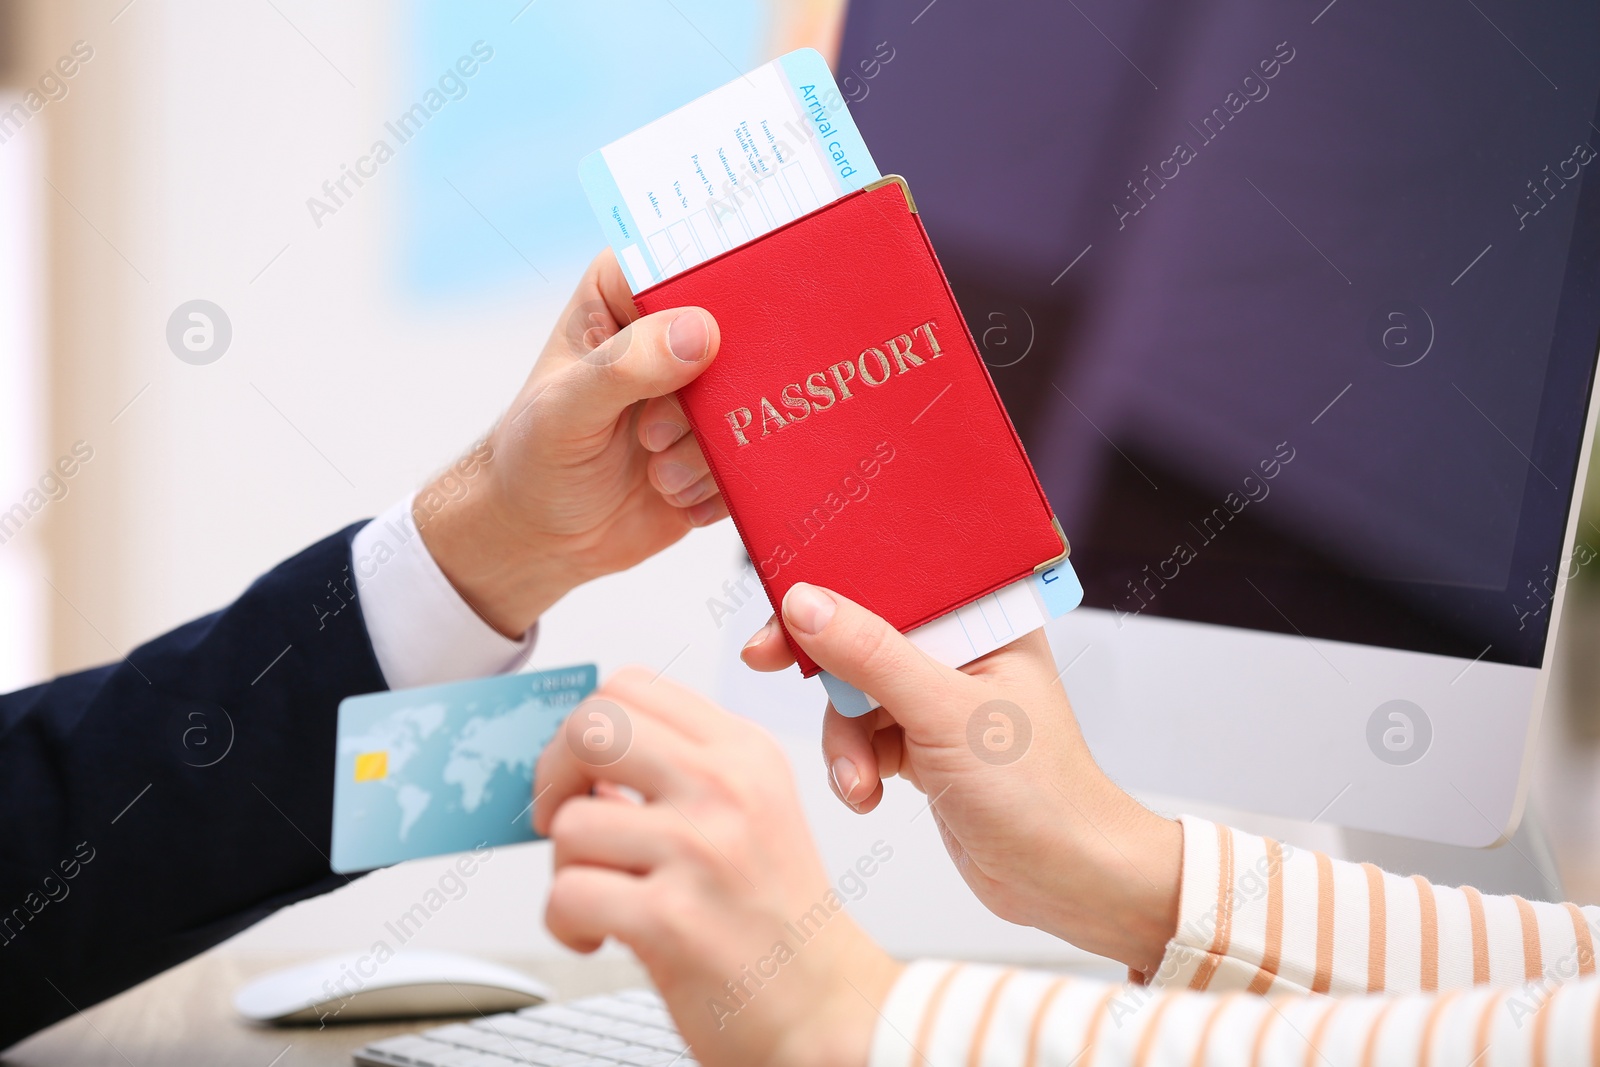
point(372, 766)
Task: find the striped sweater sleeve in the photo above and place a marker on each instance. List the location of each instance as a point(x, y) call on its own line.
point(1257, 916)
point(970, 1015)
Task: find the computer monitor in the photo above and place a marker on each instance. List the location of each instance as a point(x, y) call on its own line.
point(1297, 309)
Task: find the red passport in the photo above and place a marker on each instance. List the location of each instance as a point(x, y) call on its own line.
point(851, 424)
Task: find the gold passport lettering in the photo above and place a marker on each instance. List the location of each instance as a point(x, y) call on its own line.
point(823, 389)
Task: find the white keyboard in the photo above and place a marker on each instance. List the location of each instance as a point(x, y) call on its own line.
point(631, 1028)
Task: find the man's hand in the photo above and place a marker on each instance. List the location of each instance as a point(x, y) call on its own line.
point(711, 877)
point(592, 469)
point(1038, 831)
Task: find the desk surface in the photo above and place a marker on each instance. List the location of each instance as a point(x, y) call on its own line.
point(185, 1017)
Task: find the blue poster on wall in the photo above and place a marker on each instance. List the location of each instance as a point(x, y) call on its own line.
point(498, 102)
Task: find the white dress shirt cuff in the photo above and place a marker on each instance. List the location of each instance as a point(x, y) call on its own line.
point(422, 631)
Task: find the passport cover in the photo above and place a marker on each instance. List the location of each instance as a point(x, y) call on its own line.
point(850, 422)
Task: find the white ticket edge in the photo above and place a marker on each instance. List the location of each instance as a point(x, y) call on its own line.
point(988, 623)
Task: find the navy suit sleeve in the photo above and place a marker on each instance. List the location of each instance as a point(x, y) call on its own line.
point(151, 808)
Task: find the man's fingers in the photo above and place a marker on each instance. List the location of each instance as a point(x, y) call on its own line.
point(851, 643)
point(662, 423)
point(612, 285)
point(599, 307)
point(589, 904)
point(707, 511)
point(678, 470)
point(698, 493)
point(767, 650)
point(650, 357)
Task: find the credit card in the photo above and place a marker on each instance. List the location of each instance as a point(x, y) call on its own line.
point(740, 161)
point(979, 628)
point(444, 768)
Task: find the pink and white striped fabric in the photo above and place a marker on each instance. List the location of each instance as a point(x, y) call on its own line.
point(1283, 957)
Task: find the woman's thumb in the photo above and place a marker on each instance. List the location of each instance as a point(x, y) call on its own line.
point(853, 644)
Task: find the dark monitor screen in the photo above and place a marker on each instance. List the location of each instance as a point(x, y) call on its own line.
point(1296, 305)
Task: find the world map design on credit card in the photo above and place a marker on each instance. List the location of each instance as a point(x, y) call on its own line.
point(446, 768)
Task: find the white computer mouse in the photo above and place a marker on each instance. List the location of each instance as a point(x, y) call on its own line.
point(413, 983)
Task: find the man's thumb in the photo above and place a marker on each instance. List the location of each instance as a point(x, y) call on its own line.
point(651, 356)
point(857, 646)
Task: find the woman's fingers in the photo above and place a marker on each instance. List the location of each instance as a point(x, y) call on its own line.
point(589, 904)
point(889, 744)
point(767, 650)
point(852, 761)
point(612, 739)
point(861, 648)
point(684, 710)
point(861, 754)
point(635, 838)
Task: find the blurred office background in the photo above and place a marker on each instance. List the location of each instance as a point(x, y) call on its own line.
point(371, 343)
point(366, 352)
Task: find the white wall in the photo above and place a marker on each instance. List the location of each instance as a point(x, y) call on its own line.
point(23, 604)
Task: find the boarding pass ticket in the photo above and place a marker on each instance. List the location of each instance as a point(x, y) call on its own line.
point(764, 149)
point(988, 623)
